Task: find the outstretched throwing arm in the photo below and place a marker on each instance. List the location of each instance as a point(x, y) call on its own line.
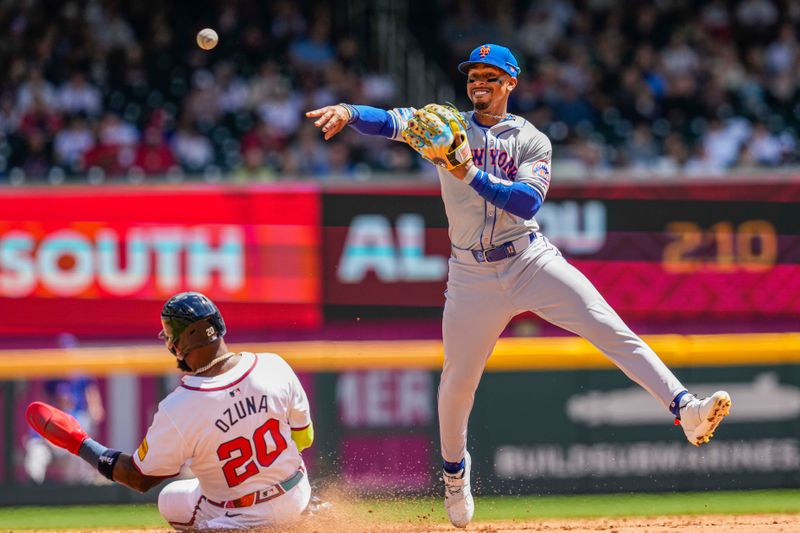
point(364, 119)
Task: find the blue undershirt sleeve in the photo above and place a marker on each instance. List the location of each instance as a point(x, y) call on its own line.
point(519, 199)
point(369, 120)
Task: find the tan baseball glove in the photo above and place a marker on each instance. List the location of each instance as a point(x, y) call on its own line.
point(439, 134)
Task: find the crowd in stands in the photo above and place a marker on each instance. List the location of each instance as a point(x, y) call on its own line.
point(696, 88)
point(104, 88)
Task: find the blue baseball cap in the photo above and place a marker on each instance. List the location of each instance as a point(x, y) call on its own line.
point(492, 54)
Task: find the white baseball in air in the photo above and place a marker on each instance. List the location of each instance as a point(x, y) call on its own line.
point(207, 38)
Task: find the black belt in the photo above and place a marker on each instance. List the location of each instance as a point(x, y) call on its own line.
point(504, 251)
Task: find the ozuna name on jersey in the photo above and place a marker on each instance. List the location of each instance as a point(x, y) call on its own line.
point(241, 409)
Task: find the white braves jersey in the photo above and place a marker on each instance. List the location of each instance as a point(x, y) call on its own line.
point(512, 150)
point(233, 430)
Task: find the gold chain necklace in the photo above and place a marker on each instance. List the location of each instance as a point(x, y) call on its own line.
point(498, 117)
point(213, 362)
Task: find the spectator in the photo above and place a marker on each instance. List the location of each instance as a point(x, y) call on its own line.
point(716, 19)
point(313, 51)
point(9, 115)
point(40, 117)
point(756, 15)
point(782, 54)
point(194, 151)
point(763, 149)
point(267, 140)
point(36, 160)
point(283, 111)
point(307, 157)
point(540, 32)
point(573, 108)
point(673, 158)
point(340, 160)
point(112, 160)
point(109, 27)
point(701, 164)
point(678, 57)
point(268, 83)
point(72, 142)
point(79, 96)
point(253, 167)
point(721, 144)
point(153, 155)
point(232, 90)
point(287, 21)
point(36, 88)
point(642, 151)
point(115, 132)
point(202, 105)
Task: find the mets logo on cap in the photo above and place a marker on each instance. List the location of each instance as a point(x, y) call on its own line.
point(494, 55)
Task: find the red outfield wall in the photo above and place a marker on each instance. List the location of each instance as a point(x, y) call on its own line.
point(101, 261)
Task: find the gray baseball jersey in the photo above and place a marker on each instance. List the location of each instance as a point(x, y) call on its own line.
point(513, 150)
point(482, 297)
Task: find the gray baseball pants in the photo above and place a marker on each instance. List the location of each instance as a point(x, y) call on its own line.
point(483, 297)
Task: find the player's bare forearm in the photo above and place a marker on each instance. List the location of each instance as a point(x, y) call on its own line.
point(126, 474)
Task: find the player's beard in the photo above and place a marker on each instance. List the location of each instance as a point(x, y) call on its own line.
point(183, 366)
point(481, 106)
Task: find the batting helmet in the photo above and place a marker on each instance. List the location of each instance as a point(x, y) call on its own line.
point(190, 320)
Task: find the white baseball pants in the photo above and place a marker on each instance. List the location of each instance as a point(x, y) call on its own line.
point(183, 505)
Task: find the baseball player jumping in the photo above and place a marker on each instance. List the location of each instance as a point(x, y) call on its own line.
point(239, 420)
point(494, 170)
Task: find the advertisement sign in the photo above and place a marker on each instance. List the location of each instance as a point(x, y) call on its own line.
point(606, 434)
point(115, 252)
point(376, 420)
point(654, 252)
point(385, 248)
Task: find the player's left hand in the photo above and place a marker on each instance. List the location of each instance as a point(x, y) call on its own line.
point(56, 426)
point(438, 133)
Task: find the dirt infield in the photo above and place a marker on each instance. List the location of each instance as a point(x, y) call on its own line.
point(662, 524)
point(707, 524)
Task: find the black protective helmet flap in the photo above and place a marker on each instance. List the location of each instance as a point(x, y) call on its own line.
point(190, 320)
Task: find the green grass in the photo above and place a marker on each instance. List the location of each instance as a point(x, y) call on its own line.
point(81, 517)
point(400, 510)
point(603, 505)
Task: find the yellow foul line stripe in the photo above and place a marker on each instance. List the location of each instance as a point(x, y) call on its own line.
point(510, 354)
